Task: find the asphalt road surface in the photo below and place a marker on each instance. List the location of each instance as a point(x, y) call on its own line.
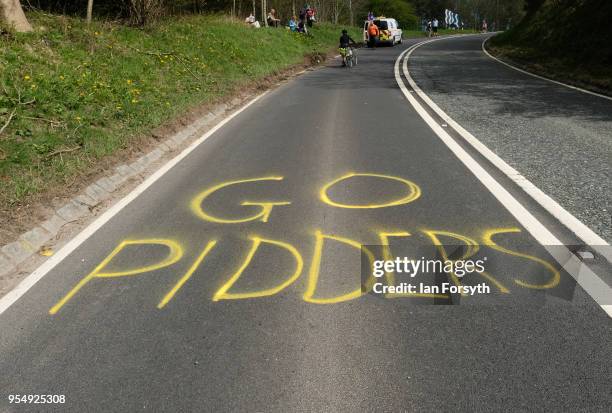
point(233, 282)
point(557, 137)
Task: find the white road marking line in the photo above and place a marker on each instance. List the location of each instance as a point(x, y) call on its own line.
point(587, 279)
point(538, 76)
point(11, 297)
point(588, 236)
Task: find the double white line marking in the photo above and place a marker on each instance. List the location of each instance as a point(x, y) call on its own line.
point(586, 278)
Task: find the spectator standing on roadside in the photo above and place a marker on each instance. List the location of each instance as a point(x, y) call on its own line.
point(310, 16)
point(303, 17)
point(485, 27)
point(435, 26)
point(373, 34)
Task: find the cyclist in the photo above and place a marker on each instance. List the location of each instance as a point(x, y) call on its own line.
point(345, 43)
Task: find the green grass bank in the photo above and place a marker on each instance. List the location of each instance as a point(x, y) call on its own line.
point(73, 95)
point(567, 40)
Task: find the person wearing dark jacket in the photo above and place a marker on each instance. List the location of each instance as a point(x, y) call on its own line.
point(346, 40)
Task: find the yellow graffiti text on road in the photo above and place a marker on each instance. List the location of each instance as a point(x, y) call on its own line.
point(175, 253)
point(265, 207)
point(223, 294)
point(384, 241)
point(556, 275)
point(414, 192)
point(472, 248)
point(315, 268)
point(187, 275)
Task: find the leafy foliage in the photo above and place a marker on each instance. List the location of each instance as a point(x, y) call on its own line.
point(574, 30)
point(564, 39)
point(400, 10)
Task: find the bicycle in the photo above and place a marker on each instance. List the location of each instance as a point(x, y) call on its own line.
point(349, 57)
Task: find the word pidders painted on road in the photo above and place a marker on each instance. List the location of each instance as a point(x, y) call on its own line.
point(174, 257)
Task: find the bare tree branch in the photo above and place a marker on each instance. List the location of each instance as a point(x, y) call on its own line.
point(10, 118)
point(61, 151)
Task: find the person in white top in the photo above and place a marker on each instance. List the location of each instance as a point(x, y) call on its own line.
point(251, 21)
point(435, 26)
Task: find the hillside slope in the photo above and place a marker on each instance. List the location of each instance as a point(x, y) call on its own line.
point(71, 96)
point(564, 39)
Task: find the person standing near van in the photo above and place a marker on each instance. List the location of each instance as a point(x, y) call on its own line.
point(373, 34)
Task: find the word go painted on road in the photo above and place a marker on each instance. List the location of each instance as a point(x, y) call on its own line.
point(175, 251)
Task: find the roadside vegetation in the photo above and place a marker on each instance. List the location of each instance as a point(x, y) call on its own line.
point(72, 94)
point(85, 82)
point(567, 40)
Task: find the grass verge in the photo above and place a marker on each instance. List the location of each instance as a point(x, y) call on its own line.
point(72, 95)
point(594, 77)
point(563, 40)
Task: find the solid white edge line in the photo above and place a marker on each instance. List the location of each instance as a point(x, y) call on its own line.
point(12, 296)
point(588, 236)
point(587, 279)
point(538, 76)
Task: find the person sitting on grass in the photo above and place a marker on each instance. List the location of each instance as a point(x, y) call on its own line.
point(293, 24)
point(251, 21)
point(301, 28)
point(272, 20)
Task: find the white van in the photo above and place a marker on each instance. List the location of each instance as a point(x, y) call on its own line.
point(390, 33)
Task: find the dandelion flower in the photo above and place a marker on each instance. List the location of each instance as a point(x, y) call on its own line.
point(26, 77)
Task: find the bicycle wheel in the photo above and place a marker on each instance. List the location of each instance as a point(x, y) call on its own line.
point(349, 61)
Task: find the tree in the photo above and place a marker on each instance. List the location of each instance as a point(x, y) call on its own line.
point(400, 10)
point(12, 14)
point(89, 10)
